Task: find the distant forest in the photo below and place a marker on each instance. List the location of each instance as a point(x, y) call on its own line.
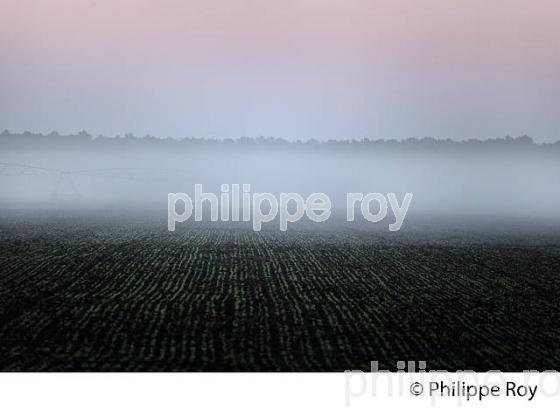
point(86, 141)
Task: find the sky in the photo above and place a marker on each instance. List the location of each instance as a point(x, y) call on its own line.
point(295, 69)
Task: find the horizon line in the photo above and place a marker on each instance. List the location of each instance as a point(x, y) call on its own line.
point(130, 135)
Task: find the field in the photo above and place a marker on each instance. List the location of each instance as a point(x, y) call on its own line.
point(123, 294)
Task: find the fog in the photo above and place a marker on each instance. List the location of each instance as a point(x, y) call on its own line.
point(459, 181)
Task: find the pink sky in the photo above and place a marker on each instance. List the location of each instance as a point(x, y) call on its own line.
point(297, 69)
